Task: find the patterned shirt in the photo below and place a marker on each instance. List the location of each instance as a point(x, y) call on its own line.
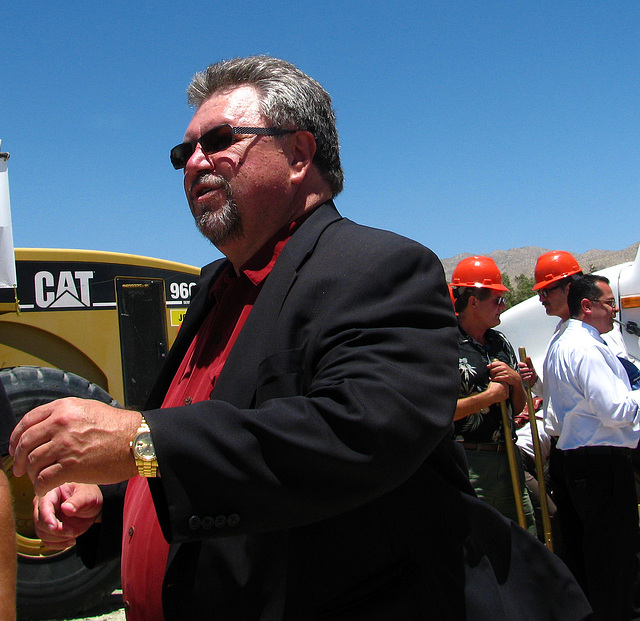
point(485, 426)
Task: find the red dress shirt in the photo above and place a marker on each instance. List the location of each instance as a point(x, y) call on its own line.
point(144, 548)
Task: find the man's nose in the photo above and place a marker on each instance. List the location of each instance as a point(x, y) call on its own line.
point(198, 160)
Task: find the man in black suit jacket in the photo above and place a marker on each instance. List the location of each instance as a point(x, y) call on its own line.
point(296, 450)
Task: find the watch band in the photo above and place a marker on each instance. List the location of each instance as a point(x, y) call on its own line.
point(146, 467)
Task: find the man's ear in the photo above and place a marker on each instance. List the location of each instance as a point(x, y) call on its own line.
point(301, 152)
point(586, 306)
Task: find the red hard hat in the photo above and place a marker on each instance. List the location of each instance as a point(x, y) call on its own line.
point(453, 297)
point(478, 272)
point(553, 266)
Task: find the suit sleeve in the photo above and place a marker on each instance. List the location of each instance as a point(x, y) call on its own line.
point(358, 390)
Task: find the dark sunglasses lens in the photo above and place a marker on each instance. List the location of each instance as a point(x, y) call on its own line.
point(180, 155)
point(217, 139)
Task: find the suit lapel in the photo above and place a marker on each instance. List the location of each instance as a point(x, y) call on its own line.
point(238, 380)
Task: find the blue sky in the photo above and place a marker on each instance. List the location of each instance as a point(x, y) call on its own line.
point(470, 126)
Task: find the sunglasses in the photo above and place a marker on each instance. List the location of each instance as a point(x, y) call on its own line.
point(497, 301)
point(544, 293)
point(218, 139)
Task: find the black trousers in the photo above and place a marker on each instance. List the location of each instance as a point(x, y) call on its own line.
point(598, 508)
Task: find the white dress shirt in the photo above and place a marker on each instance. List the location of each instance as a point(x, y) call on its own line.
point(587, 392)
point(615, 341)
point(551, 426)
point(525, 438)
point(616, 344)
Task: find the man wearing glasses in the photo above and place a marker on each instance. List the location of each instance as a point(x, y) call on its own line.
point(488, 376)
point(554, 272)
point(296, 452)
point(598, 425)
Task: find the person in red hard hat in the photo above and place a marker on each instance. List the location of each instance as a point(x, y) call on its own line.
point(489, 375)
point(597, 416)
point(554, 272)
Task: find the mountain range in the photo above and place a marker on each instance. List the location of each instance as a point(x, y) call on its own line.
point(523, 260)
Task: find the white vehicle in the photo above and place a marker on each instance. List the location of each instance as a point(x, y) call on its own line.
point(527, 324)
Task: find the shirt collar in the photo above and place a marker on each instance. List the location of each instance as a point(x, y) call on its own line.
point(589, 328)
point(259, 266)
point(489, 336)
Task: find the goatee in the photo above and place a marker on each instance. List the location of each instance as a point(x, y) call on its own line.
point(222, 224)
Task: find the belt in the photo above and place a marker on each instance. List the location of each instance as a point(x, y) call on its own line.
point(599, 450)
point(473, 446)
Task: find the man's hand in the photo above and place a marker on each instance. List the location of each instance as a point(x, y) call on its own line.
point(496, 392)
point(528, 372)
point(65, 513)
point(74, 440)
point(502, 372)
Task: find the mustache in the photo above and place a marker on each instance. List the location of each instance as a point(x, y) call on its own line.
point(208, 178)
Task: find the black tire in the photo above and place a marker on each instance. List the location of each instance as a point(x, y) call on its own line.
point(51, 584)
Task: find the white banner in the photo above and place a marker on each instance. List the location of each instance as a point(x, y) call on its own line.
point(7, 255)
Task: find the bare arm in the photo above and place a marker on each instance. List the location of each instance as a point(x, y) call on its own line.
point(7, 552)
point(495, 392)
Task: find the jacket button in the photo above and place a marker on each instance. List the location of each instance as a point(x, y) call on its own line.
point(221, 521)
point(194, 522)
point(233, 520)
point(207, 522)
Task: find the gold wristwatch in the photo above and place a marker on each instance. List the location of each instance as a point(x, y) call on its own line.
point(144, 452)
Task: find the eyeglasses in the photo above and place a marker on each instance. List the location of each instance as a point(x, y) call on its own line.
point(497, 301)
point(610, 302)
point(544, 293)
point(218, 139)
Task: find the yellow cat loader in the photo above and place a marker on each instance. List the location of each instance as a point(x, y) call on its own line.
point(77, 323)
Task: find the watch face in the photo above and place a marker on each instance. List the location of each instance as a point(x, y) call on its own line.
point(143, 447)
